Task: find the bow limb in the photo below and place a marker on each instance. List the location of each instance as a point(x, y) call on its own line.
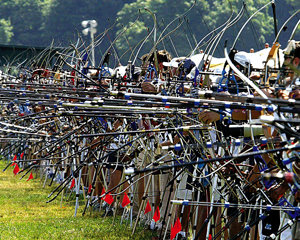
point(245, 24)
point(119, 35)
point(242, 76)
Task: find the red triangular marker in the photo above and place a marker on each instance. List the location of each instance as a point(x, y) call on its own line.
point(16, 169)
point(30, 177)
point(156, 216)
point(126, 200)
point(14, 159)
point(90, 188)
point(109, 199)
point(173, 235)
point(103, 191)
point(148, 208)
point(175, 229)
point(177, 225)
point(72, 183)
point(22, 154)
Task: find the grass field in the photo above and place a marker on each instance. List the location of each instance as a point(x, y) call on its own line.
point(24, 214)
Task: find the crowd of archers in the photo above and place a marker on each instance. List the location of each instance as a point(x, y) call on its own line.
point(194, 147)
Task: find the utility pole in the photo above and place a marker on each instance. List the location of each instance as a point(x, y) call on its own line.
point(92, 30)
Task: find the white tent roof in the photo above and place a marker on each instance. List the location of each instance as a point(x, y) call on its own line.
point(257, 59)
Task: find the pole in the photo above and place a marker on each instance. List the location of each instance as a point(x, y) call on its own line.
point(93, 47)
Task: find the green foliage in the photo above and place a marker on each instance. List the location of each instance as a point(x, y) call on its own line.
point(64, 18)
point(294, 3)
point(5, 31)
point(38, 22)
point(26, 18)
point(165, 11)
point(203, 18)
point(261, 24)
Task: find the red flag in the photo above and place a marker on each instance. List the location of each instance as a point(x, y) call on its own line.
point(175, 229)
point(73, 74)
point(22, 154)
point(156, 216)
point(109, 199)
point(72, 183)
point(126, 200)
point(16, 169)
point(90, 188)
point(103, 191)
point(177, 225)
point(148, 208)
point(30, 177)
point(14, 159)
point(173, 235)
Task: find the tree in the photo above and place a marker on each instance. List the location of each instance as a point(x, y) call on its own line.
point(5, 31)
point(256, 31)
point(63, 22)
point(26, 18)
point(202, 19)
point(65, 16)
point(38, 22)
point(166, 11)
point(294, 3)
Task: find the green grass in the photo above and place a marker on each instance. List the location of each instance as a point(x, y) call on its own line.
point(24, 214)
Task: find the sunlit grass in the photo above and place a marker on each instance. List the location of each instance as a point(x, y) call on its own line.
point(24, 214)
